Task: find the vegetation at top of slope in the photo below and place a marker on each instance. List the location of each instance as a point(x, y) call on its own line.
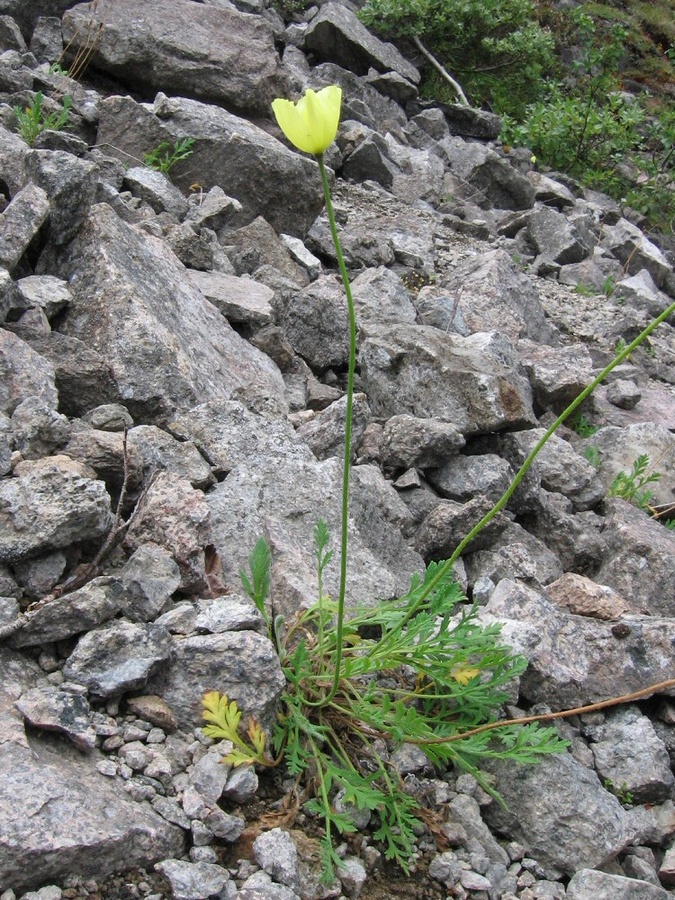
point(589, 89)
point(496, 49)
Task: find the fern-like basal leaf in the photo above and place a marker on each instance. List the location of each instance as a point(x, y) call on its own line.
point(258, 585)
point(257, 737)
point(239, 756)
point(222, 715)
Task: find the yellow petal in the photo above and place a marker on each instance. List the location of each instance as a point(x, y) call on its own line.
point(464, 674)
point(310, 124)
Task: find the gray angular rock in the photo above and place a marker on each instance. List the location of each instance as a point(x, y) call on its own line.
point(480, 169)
point(118, 657)
point(55, 710)
point(70, 186)
point(449, 522)
point(175, 516)
point(150, 577)
point(557, 374)
point(380, 296)
point(635, 251)
point(38, 429)
point(151, 450)
point(38, 576)
point(109, 417)
point(283, 499)
point(193, 881)
point(242, 785)
point(241, 664)
point(23, 374)
point(516, 555)
point(207, 778)
point(151, 344)
point(71, 614)
point(240, 300)
point(559, 812)
point(336, 35)
point(425, 443)
point(87, 826)
point(316, 323)
point(557, 467)
point(370, 161)
point(589, 884)
point(229, 152)
point(48, 504)
point(473, 382)
point(462, 477)
point(229, 613)
point(576, 538)
point(575, 660)
point(156, 189)
point(83, 378)
point(325, 433)
point(214, 53)
point(619, 448)
point(45, 292)
point(624, 394)
point(20, 222)
point(555, 238)
point(629, 755)
point(641, 291)
point(228, 434)
point(257, 245)
point(494, 295)
point(639, 561)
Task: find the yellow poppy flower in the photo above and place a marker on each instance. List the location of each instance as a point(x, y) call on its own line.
point(310, 124)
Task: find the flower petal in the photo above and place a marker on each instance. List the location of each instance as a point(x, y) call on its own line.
point(311, 124)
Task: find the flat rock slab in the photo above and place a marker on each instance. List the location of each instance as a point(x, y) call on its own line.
point(20, 222)
point(640, 559)
point(336, 35)
point(168, 347)
point(212, 53)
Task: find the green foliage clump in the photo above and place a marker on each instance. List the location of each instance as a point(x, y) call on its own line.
point(163, 157)
point(495, 48)
point(632, 486)
point(419, 670)
point(33, 119)
point(588, 127)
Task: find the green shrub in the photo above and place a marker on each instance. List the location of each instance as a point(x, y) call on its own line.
point(495, 48)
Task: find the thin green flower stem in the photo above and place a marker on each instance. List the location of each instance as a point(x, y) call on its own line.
point(346, 466)
point(504, 499)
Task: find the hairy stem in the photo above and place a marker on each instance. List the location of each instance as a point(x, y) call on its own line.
point(344, 525)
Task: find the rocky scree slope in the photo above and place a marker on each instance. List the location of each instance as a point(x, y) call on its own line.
point(172, 357)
